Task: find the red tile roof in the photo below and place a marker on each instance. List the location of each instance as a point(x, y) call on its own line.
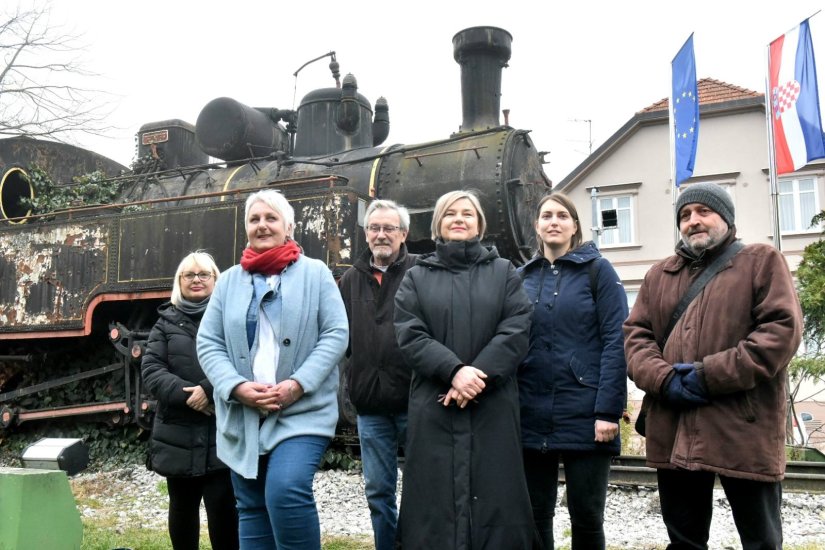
point(710, 91)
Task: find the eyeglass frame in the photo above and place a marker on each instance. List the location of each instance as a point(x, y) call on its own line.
point(375, 229)
point(190, 276)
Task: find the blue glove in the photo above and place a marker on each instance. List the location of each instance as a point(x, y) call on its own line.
point(685, 388)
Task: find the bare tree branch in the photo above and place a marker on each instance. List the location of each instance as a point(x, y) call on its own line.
point(39, 65)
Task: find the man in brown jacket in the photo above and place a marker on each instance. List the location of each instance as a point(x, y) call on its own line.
point(716, 392)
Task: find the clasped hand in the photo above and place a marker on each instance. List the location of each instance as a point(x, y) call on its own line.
point(198, 400)
point(268, 397)
point(467, 383)
point(686, 389)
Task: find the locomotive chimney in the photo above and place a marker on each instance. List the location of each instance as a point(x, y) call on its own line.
point(482, 52)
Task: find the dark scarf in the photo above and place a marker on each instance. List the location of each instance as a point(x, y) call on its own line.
point(272, 261)
point(459, 254)
point(192, 309)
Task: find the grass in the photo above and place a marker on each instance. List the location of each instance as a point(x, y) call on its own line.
point(104, 535)
point(106, 531)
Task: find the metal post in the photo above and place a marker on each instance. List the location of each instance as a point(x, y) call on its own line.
point(594, 194)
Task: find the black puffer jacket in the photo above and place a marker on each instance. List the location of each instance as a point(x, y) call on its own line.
point(183, 439)
point(377, 376)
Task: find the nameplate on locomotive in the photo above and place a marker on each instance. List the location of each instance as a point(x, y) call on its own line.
point(159, 136)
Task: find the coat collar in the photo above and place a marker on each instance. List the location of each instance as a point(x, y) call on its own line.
point(362, 263)
point(458, 255)
point(584, 253)
point(684, 256)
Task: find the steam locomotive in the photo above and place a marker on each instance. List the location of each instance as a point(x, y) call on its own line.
point(103, 269)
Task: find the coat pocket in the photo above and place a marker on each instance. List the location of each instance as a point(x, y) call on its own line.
point(230, 424)
point(585, 374)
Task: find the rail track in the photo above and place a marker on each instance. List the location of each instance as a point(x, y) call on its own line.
point(800, 477)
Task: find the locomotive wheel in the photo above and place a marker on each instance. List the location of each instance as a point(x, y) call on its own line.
point(7, 416)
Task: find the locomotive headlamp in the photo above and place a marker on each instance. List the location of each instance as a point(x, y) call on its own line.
point(57, 453)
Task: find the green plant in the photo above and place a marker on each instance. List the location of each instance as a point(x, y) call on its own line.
point(86, 190)
point(339, 458)
point(163, 487)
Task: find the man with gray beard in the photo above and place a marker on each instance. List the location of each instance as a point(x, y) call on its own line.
point(715, 387)
point(378, 378)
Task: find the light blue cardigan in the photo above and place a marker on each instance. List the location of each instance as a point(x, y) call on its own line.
point(313, 333)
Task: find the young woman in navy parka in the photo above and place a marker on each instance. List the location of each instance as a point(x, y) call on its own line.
point(572, 385)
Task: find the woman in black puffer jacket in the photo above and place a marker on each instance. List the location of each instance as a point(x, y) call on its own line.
point(182, 446)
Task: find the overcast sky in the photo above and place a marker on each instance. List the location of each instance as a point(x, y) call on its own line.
point(571, 61)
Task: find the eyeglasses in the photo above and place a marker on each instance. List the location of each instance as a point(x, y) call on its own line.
point(189, 276)
point(387, 229)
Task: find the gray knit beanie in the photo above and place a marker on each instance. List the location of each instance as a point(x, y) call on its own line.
point(712, 196)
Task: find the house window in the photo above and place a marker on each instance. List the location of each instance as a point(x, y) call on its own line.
point(798, 203)
point(623, 234)
point(631, 298)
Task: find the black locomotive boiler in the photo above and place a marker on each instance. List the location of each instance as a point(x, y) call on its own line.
point(89, 270)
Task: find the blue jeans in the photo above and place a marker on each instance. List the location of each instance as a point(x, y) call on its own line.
point(277, 510)
point(586, 475)
point(380, 437)
point(687, 508)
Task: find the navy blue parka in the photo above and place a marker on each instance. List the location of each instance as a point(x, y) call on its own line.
point(575, 371)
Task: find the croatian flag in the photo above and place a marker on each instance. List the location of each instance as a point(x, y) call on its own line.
point(797, 124)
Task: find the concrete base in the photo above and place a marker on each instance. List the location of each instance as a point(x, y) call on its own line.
point(38, 511)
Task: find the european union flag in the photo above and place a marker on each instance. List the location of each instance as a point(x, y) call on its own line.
point(685, 111)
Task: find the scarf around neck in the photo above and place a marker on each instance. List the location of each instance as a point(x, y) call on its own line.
point(272, 261)
point(192, 309)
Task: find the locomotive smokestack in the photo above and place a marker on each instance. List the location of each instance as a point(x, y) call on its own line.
point(482, 52)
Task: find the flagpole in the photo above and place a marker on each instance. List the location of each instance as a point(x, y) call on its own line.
point(774, 187)
point(674, 189)
point(795, 26)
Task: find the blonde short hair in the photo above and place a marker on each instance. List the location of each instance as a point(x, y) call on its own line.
point(443, 204)
point(203, 259)
point(277, 202)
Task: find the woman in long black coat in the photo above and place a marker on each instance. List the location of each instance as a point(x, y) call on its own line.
point(183, 445)
point(462, 321)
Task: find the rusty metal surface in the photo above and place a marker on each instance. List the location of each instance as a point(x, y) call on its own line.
point(45, 272)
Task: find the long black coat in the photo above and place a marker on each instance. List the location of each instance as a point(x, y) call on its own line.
point(183, 439)
point(464, 484)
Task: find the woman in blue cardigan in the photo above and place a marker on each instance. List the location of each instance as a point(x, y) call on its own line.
point(572, 385)
point(270, 342)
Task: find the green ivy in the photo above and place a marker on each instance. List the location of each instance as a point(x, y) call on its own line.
point(339, 456)
point(109, 447)
point(811, 277)
point(86, 190)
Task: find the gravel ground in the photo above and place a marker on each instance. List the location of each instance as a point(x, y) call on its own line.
point(632, 518)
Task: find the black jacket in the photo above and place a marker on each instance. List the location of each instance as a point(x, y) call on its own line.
point(377, 377)
point(183, 439)
point(464, 485)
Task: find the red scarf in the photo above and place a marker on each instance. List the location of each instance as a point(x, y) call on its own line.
point(272, 261)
